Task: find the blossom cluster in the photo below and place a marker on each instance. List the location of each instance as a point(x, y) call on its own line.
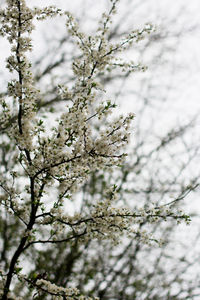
point(85, 138)
point(59, 292)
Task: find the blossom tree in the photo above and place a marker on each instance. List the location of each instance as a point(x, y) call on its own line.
point(47, 163)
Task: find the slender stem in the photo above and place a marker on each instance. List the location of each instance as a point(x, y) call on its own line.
point(12, 267)
point(22, 243)
point(20, 76)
